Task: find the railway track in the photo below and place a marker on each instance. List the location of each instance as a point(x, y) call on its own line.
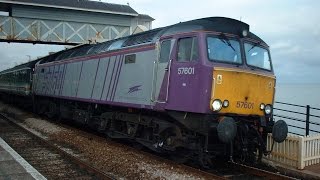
point(234, 170)
point(231, 170)
point(253, 172)
point(47, 158)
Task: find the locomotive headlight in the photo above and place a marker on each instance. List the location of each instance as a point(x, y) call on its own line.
point(262, 106)
point(225, 103)
point(216, 105)
point(245, 33)
point(268, 109)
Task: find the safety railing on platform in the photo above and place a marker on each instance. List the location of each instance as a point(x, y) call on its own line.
point(300, 149)
point(302, 120)
point(296, 151)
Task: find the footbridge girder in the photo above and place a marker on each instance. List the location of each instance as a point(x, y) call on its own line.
point(75, 22)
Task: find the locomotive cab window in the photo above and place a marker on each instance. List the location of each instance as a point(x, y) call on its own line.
point(224, 50)
point(257, 56)
point(165, 51)
point(188, 49)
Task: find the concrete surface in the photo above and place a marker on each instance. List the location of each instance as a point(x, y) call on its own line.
point(13, 166)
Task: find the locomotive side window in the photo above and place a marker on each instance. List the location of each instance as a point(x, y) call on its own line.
point(188, 49)
point(131, 58)
point(224, 50)
point(165, 51)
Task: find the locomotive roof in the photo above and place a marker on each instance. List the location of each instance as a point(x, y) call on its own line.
point(218, 24)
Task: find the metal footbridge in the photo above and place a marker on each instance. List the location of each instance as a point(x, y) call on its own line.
point(68, 22)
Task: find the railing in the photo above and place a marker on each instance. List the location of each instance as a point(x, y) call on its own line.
point(296, 151)
point(301, 119)
point(300, 149)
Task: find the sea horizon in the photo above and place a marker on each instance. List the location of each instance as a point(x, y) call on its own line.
point(301, 94)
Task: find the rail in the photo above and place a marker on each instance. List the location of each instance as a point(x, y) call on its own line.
point(301, 119)
point(98, 173)
point(259, 172)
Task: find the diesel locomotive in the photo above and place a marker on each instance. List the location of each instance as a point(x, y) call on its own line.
point(197, 89)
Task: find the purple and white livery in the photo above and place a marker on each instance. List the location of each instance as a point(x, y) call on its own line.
point(190, 89)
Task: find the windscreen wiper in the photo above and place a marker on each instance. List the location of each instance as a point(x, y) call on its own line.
point(255, 45)
point(225, 40)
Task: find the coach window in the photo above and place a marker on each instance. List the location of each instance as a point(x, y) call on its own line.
point(165, 51)
point(188, 49)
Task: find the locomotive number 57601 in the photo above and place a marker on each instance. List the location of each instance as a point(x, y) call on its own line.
point(246, 105)
point(186, 70)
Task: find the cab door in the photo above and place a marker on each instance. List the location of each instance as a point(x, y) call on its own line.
point(161, 75)
point(185, 85)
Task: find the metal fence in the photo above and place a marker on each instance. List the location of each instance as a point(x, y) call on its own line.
point(302, 120)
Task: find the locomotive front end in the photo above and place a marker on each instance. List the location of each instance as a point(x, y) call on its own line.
point(242, 95)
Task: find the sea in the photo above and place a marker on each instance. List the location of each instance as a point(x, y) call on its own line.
point(301, 95)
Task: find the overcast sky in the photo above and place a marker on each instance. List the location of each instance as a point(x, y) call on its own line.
point(290, 27)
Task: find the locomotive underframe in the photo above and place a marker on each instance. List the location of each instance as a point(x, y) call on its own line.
point(181, 134)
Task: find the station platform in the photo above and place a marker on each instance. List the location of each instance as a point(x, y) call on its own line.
point(309, 172)
point(313, 170)
point(13, 166)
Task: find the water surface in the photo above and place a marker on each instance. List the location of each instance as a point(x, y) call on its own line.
point(300, 94)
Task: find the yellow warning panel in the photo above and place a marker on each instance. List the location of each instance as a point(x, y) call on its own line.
point(244, 90)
